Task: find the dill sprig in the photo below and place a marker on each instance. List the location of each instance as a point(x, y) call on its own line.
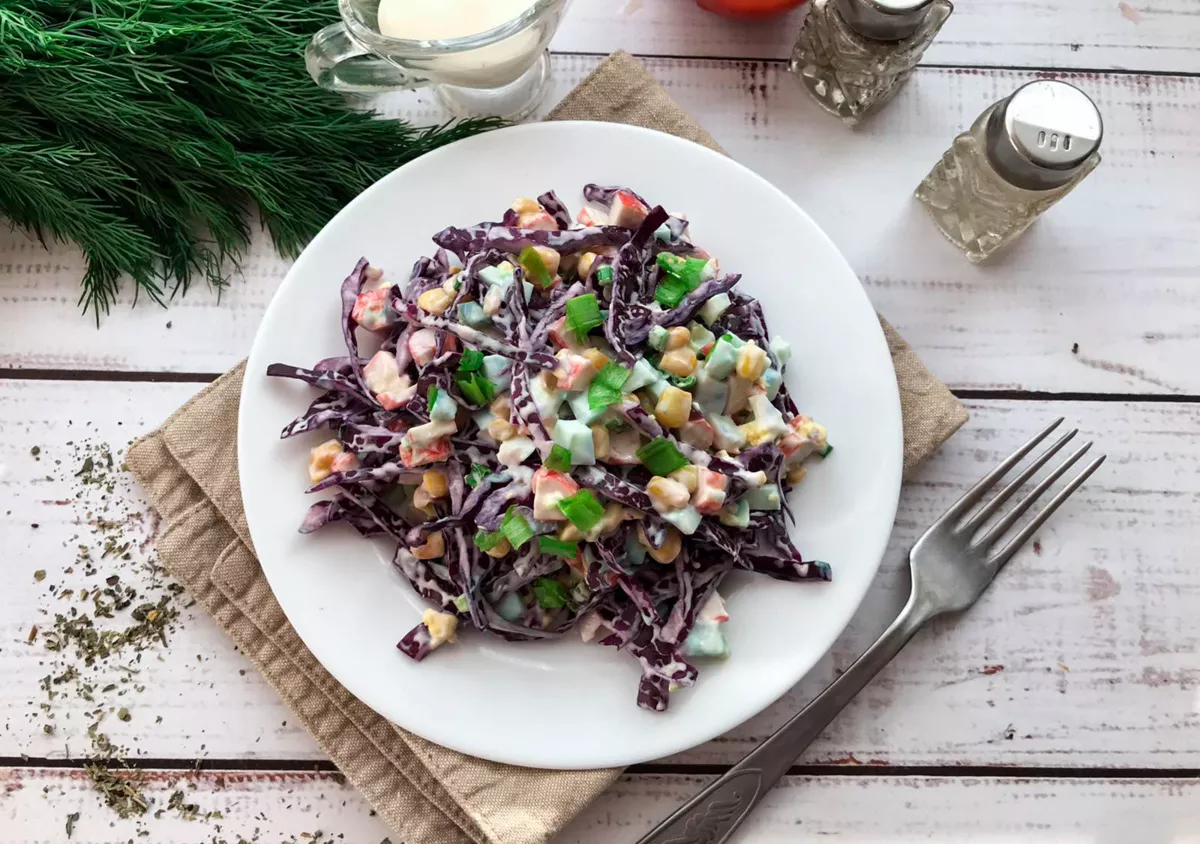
point(146, 132)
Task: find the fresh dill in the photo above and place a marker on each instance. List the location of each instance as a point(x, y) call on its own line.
point(148, 131)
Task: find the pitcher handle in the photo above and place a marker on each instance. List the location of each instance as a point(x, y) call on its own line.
point(337, 62)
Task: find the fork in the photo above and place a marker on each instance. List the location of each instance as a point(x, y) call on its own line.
point(952, 564)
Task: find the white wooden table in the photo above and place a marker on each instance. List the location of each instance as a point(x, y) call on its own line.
point(1064, 707)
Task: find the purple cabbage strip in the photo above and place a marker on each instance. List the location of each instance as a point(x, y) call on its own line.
point(474, 337)
point(466, 242)
point(693, 301)
point(624, 313)
point(526, 409)
point(351, 287)
point(327, 512)
point(332, 406)
point(322, 380)
point(379, 512)
point(425, 580)
point(637, 416)
point(388, 473)
point(417, 643)
point(609, 485)
point(555, 208)
point(604, 196)
point(491, 513)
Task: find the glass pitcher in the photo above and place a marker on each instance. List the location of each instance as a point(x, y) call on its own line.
point(500, 72)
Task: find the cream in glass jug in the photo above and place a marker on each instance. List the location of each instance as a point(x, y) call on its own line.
point(482, 57)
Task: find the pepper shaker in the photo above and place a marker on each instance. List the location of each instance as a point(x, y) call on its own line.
point(1020, 156)
point(853, 55)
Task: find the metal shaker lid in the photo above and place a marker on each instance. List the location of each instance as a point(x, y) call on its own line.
point(884, 20)
point(1041, 136)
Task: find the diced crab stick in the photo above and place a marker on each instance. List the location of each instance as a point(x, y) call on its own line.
point(574, 372)
point(345, 462)
point(713, 610)
point(537, 220)
point(805, 438)
point(414, 455)
point(627, 210)
point(564, 337)
point(383, 377)
point(422, 345)
point(697, 433)
point(590, 625)
point(710, 491)
point(421, 436)
point(373, 309)
point(589, 217)
point(549, 488)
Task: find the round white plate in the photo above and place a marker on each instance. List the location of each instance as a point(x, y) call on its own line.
point(567, 704)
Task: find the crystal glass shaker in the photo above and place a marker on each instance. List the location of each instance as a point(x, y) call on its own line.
point(853, 55)
point(1021, 156)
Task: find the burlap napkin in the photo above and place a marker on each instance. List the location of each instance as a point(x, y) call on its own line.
point(426, 793)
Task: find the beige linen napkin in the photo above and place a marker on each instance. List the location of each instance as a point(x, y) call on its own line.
point(426, 793)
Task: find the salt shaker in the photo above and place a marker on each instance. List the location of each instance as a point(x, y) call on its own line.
point(853, 55)
point(1021, 156)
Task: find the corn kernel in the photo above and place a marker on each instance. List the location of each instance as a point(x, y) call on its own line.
point(751, 362)
point(442, 627)
point(450, 285)
point(796, 474)
point(501, 430)
point(550, 258)
point(689, 476)
point(756, 433)
point(499, 549)
point(423, 502)
point(670, 547)
point(678, 337)
point(667, 494)
point(584, 267)
point(549, 380)
point(673, 408)
point(569, 533)
point(525, 205)
point(600, 443)
point(681, 362)
point(320, 460)
point(614, 514)
point(501, 406)
point(434, 483)
point(434, 547)
point(435, 301)
point(598, 359)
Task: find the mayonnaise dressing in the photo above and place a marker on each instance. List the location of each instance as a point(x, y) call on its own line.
point(441, 19)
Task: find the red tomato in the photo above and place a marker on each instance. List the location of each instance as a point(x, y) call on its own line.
point(749, 9)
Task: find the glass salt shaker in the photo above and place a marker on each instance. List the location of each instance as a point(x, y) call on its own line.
point(1021, 156)
point(853, 55)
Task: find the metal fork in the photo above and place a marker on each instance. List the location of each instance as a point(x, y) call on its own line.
point(951, 567)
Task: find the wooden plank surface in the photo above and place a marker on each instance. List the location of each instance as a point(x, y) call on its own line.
point(1082, 655)
point(1161, 36)
point(301, 808)
point(1124, 237)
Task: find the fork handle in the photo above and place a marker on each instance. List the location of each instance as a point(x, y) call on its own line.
point(712, 815)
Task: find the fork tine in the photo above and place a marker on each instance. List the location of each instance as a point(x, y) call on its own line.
point(1010, 518)
point(975, 493)
point(1005, 554)
point(985, 512)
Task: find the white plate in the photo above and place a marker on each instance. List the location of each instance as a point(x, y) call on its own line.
point(567, 704)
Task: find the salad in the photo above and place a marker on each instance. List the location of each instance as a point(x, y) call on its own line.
point(567, 426)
